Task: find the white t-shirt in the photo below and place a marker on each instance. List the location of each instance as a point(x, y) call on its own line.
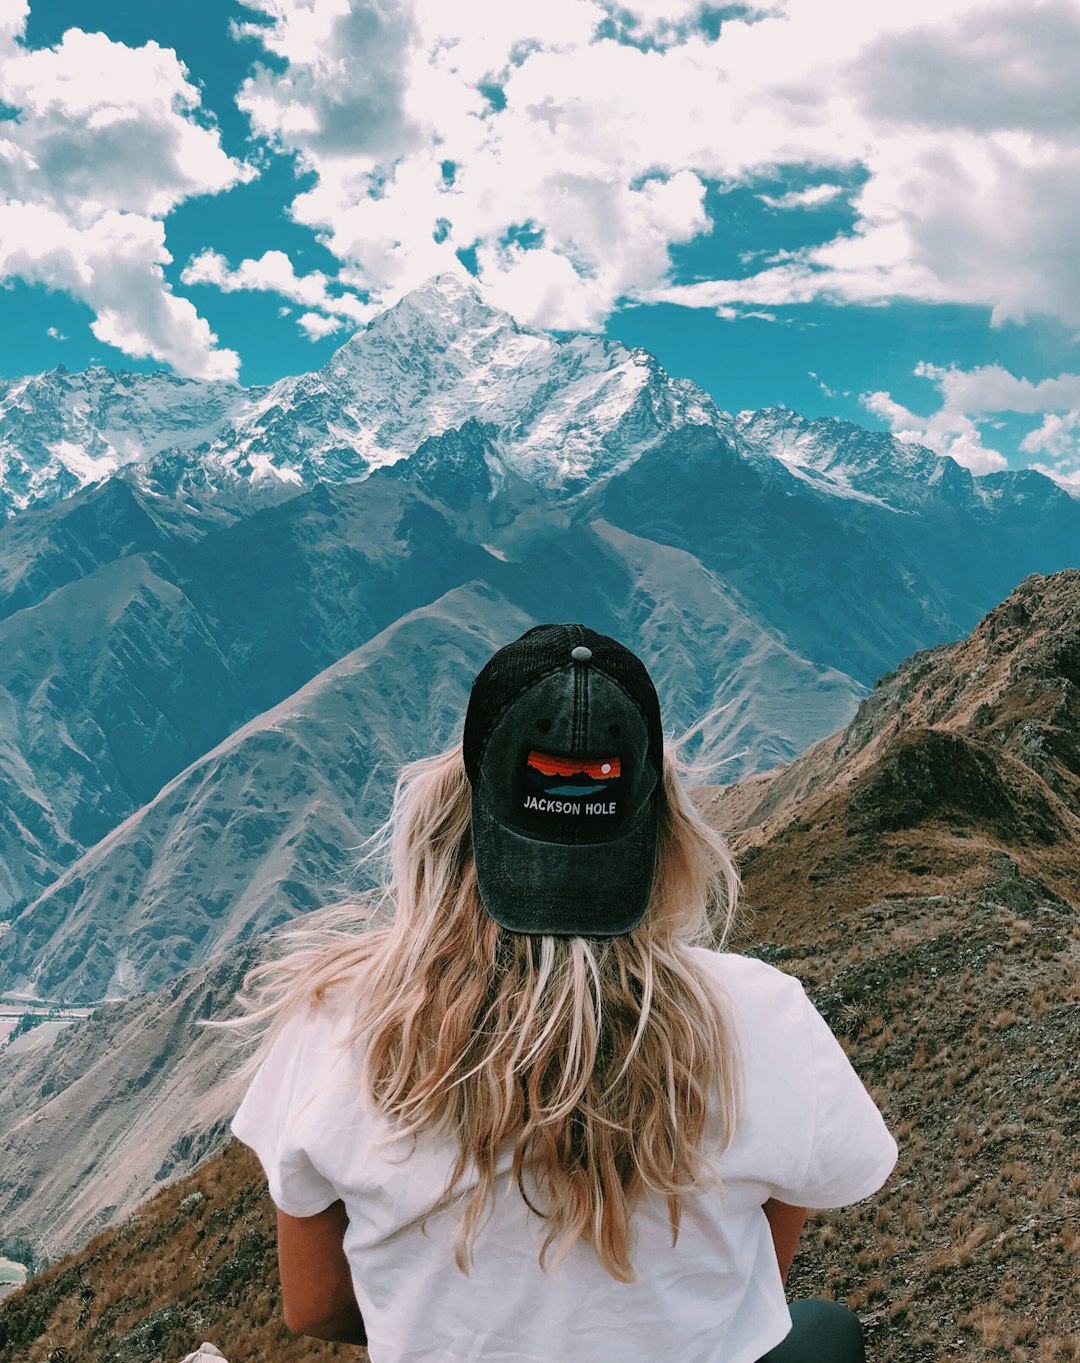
point(810, 1136)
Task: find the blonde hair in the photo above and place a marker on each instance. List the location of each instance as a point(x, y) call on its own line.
point(600, 1054)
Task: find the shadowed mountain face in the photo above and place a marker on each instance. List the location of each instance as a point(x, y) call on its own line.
point(254, 830)
point(918, 869)
point(857, 582)
point(207, 683)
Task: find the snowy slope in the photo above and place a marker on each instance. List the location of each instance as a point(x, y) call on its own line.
point(567, 411)
point(851, 461)
point(60, 431)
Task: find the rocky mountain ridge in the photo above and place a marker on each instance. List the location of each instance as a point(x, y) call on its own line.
point(964, 751)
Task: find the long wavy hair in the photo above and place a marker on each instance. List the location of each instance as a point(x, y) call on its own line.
point(600, 1054)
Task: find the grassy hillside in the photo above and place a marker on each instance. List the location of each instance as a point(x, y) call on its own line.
point(197, 1262)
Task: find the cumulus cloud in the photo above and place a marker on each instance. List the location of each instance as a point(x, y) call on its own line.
point(13, 16)
point(945, 431)
point(343, 88)
point(106, 143)
point(990, 68)
point(969, 397)
point(804, 198)
point(102, 125)
point(501, 120)
point(972, 185)
point(1058, 438)
point(991, 388)
point(273, 272)
point(114, 265)
point(566, 147)
point(1058, 435)
point(317, 326)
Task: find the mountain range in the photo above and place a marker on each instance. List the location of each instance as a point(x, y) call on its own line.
point(569, 410)
point(213, 660)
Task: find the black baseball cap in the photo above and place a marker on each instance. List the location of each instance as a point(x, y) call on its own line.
point(564, 749)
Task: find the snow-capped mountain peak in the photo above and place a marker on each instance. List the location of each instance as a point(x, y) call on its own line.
point(436, 313)
point(568, 410)
point(60, 431)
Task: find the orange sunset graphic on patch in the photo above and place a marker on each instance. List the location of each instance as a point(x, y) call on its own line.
point(571, 775)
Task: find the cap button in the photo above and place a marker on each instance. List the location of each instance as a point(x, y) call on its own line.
point(581, 654)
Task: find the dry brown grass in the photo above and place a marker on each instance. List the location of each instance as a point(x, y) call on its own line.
point(171, 1276)
point(970, 1042)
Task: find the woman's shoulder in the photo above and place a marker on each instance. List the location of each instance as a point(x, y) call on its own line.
point(309, 1031)
point(770, 1004)
point(747, 973)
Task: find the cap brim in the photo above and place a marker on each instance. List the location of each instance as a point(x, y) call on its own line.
point(568, 890)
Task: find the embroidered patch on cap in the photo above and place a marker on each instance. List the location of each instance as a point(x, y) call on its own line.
point(585, 786)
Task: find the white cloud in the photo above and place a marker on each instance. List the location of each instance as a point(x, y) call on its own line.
point(1058, 435)
point(108, 140)
point(1059, 439)
point(114, 265)
point(318, 326)
point(13, 16)
point(804, 198)
point(598, 150)
point(344, 87)
point(945, 431)
point(822, 385)
point(730, 314)
point(571, 157)
point(572, 163)
point(273, 272)
point(995, 67)
point(102, 125)
point(970, 197)
point(970, 397)
point(55, 334)
point(991, 388)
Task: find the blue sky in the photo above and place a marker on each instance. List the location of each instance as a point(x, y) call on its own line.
point(860, 211)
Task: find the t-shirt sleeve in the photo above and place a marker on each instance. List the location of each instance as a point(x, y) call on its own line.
point(271, 1121)
point(852, 1151)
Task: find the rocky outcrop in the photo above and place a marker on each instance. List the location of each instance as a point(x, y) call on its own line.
point(965, 751)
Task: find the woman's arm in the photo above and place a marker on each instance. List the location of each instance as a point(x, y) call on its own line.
point(316, 1285)
point(786, 1223)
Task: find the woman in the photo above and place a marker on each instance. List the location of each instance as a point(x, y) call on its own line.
point(538, 1010)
